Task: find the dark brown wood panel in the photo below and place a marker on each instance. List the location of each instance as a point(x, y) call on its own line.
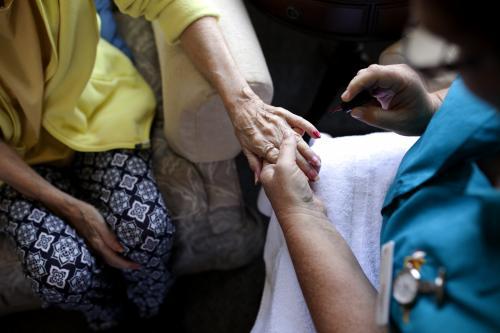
point(358, 20)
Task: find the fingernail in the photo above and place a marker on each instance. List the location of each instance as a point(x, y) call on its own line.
point(356, 114)
point(256, 178)
point(317, 134)
point(316, 161)
point(313, 175)
point(345, 95)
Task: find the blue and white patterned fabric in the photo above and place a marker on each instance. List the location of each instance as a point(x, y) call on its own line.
point(59, 263)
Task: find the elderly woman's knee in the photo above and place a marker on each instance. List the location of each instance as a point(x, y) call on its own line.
point(151, 236)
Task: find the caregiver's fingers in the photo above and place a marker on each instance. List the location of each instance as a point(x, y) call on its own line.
point(375, 116)
point(307, 169)
point(267, 173)
point(375, 76)
point(309, 155)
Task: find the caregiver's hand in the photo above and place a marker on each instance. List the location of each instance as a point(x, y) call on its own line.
point(260, 128)
point(404, 105)
point(287, 187)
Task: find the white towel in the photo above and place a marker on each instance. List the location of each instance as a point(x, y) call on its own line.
point(355, 176)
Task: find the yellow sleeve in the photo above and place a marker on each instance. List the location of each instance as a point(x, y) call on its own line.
point(174, 16)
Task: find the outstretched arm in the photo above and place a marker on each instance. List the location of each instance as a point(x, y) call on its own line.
point(338, 294)
point(258, 126)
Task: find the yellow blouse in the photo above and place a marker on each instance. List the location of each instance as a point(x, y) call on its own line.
point(63, 89)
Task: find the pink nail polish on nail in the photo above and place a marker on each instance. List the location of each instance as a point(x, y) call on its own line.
point(317, 134)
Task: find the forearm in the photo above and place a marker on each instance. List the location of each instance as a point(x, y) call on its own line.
point(207, 49)
point(338, 294)
point(19, 175)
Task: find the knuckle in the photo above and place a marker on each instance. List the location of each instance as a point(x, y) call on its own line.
point(276, 120)
point(264, 149)
point(268, 131)
point(272, 110)
point(361, 71)
point(282, 110)
point(272, 155)
point(400, 67)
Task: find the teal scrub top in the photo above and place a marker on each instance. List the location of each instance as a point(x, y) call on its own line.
point(442, 203)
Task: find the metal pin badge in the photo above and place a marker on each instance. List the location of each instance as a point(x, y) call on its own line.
point(408, 284)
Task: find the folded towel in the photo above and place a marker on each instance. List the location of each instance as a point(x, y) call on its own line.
point(355, 176)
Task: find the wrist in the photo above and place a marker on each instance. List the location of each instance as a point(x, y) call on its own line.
point(311, 209)
point(234, 100)
point(431, 104)
point(60, 202)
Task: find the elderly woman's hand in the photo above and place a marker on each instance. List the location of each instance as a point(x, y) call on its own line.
point(286, 185)
point(260, 128)
point(90, 225)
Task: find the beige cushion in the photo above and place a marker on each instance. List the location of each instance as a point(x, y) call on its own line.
point(214, 228)
point(196, 124)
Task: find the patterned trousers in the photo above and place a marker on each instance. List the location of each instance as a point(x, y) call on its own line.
point(63, 271)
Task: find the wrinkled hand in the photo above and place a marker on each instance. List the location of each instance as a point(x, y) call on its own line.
point(260, 128)
point(90, 225)
point(286, 186)
point(404, 105)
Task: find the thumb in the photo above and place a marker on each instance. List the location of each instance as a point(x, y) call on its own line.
point(267, 173)
point(375, 116)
